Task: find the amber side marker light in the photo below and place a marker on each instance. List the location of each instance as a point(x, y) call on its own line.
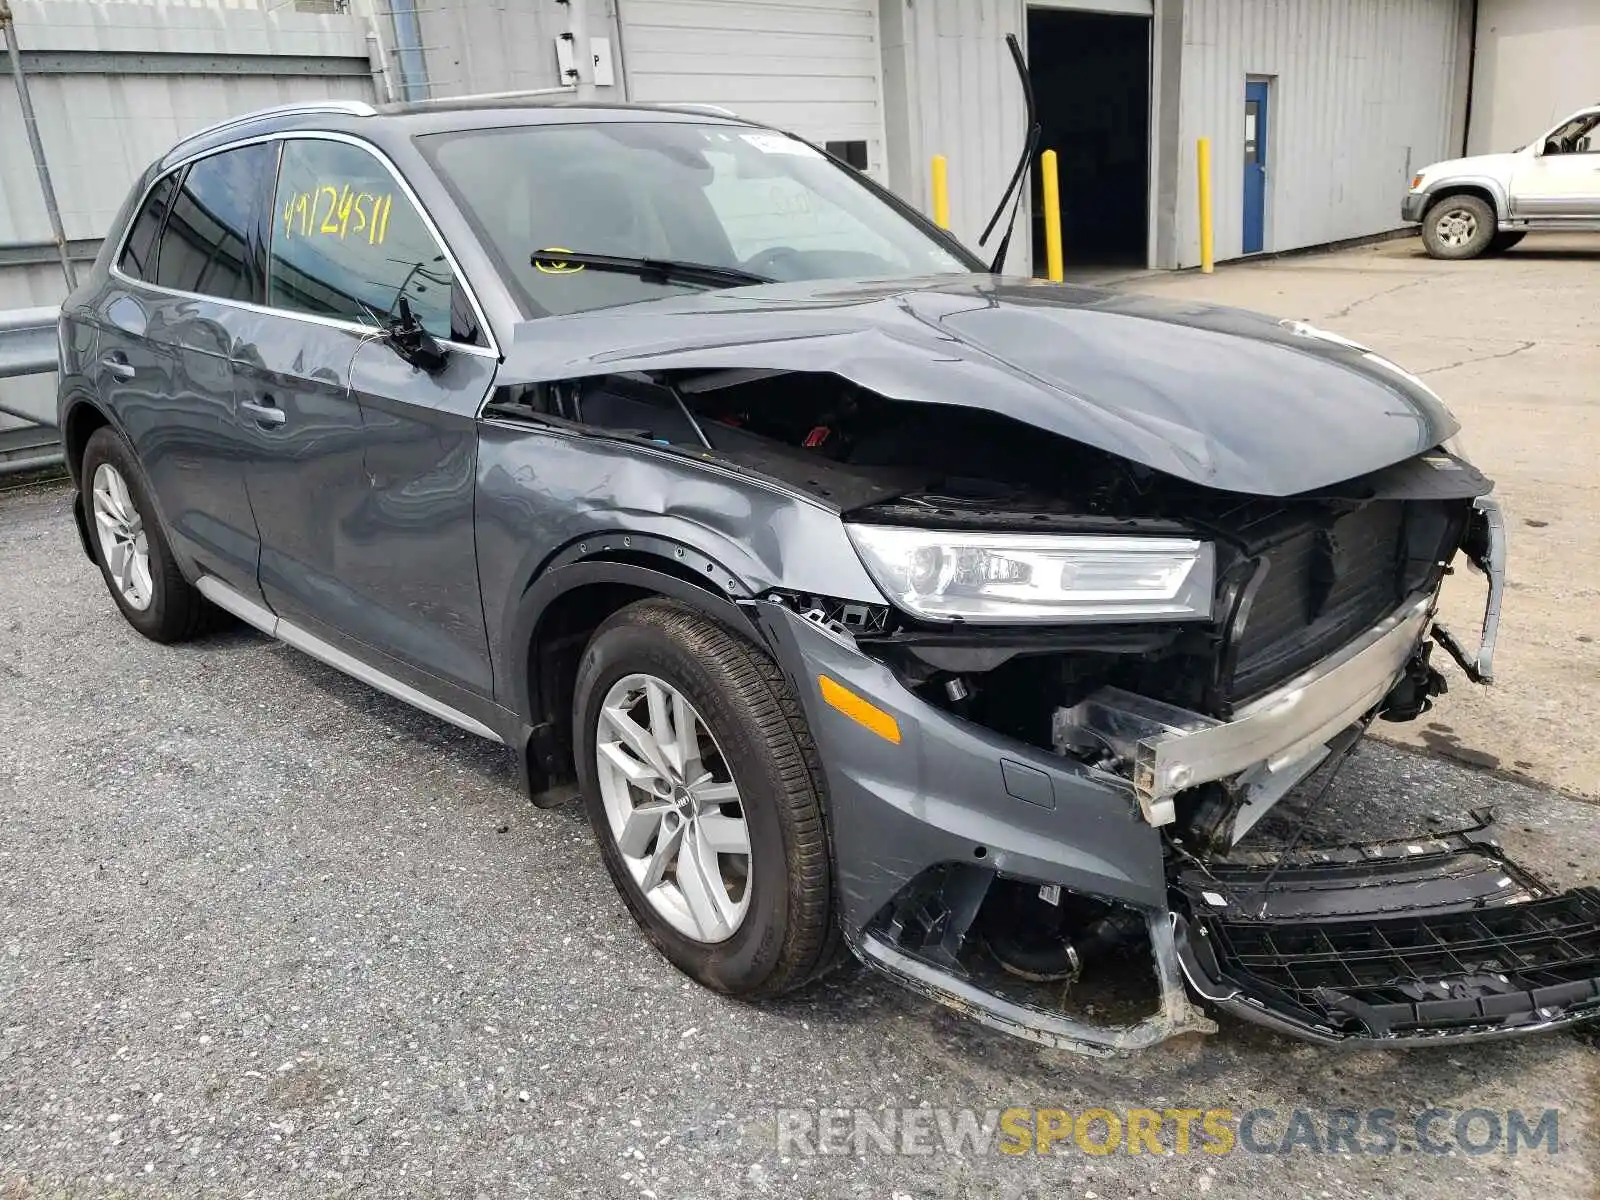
point(859, 710)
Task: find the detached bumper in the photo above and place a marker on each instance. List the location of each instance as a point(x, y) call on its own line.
point(1424, 941)
point(1413, 206)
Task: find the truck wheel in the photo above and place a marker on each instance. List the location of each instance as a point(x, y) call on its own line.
point(705, 792)
point(132, 550)
point(1458, 227)
point(1501, 242)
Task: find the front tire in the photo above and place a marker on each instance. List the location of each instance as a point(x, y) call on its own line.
point(706, 796)
point(1459, 227)
point(130, 547)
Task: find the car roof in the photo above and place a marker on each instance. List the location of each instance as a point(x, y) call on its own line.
point(401, 121)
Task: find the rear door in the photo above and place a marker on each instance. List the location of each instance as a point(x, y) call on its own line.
point(165, 362)
point(363, 485)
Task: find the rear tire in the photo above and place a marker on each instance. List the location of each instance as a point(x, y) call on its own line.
point(750, 922)
point(131, 547)
point(1458, 227)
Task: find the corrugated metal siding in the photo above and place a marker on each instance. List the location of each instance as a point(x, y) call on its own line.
point(1537, 63)
point(1362, 92)
point(814, 68)
point(100, 131)
point(963, 101)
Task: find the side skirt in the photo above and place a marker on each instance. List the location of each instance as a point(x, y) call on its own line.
point(269, 623)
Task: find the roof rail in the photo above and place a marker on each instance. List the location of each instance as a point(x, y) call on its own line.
point(348, 108)
point(520, 94)
point(717, 109)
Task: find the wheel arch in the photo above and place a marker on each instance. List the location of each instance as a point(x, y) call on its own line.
point(1487, 190)
point(571, 598)
point(81, 415)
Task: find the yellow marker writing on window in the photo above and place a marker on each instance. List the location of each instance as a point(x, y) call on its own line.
point(548, 262)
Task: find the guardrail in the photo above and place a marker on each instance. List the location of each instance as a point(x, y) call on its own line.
point(27, 341)
point(27, 347)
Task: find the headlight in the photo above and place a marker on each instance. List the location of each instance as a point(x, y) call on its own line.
point(1008, 577)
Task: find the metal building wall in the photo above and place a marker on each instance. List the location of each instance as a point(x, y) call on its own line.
point(1538, 61)
point(1363, 92)
point(949, 88)
point(493, 46)
point(114, 84)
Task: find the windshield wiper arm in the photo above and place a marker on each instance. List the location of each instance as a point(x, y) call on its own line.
point(657, 270)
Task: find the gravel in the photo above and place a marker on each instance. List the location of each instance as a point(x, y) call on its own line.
point(264, 932)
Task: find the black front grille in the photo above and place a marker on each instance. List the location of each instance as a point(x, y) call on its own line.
point(1504, 966)
point(1324, 584)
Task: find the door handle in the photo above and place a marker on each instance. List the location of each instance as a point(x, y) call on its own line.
point(118, 366)
point(264, 414)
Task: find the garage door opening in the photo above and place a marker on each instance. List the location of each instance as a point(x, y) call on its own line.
point(1091, 79)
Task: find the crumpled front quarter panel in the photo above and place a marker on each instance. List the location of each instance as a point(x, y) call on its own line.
point(542, 491)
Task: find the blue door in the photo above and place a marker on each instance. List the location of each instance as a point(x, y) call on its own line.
point(1255, 166)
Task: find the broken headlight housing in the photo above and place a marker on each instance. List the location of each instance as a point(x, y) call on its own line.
point(1007, 577)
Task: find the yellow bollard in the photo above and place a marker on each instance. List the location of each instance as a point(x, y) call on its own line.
point(1055, 269)
point(1208, 255)
point(941, 192)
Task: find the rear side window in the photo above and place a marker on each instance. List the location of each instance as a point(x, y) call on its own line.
point(347, 242)
point(138, 259)
point(210, 242)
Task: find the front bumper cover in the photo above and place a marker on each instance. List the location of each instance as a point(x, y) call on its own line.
point(944, 793)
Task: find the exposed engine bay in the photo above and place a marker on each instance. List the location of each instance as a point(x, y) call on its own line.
point(1296, 578)
point(1337, 579)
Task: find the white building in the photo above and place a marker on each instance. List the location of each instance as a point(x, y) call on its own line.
point(1318, 110)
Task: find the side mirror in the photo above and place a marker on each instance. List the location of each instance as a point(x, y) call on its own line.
point(1550, 147)
point(414, 343)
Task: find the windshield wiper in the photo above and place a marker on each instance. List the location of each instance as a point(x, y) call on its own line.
point(651, 270)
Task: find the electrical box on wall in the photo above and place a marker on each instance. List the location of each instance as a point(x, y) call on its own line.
point(566, 61)
point(601, 72)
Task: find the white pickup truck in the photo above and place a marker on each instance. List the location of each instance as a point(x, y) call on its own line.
point(1488, 203)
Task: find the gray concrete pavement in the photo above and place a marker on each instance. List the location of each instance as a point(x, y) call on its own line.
point(1512, 345)
point(268, 933)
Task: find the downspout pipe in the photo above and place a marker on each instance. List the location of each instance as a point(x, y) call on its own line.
point(408, 50)
point(1472, 74)
point(30, 123)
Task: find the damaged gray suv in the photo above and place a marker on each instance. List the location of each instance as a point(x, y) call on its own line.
point(868, 600)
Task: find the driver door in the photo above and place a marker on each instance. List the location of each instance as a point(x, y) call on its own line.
point(1562, 181)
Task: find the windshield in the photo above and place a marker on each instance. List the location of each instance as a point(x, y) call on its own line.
point(725, 196)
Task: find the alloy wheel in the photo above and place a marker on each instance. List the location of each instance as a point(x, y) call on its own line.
point(122, 537)
point(1457, 226)
point(673, 808)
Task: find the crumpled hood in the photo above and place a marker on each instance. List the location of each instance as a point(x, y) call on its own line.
point(1216, 396)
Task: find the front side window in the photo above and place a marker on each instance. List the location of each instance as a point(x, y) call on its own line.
point(207, 245)
point(347, 242)
point(727, 196)
point(1581, 135)
point(138, 259)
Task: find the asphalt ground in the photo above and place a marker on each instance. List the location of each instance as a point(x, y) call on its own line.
point(268, 933)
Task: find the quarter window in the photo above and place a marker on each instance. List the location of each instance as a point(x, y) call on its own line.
point(138, 259)
point(207, 246)
point(347, 242)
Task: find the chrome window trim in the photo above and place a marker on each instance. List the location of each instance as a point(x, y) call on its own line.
point(492, 350)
